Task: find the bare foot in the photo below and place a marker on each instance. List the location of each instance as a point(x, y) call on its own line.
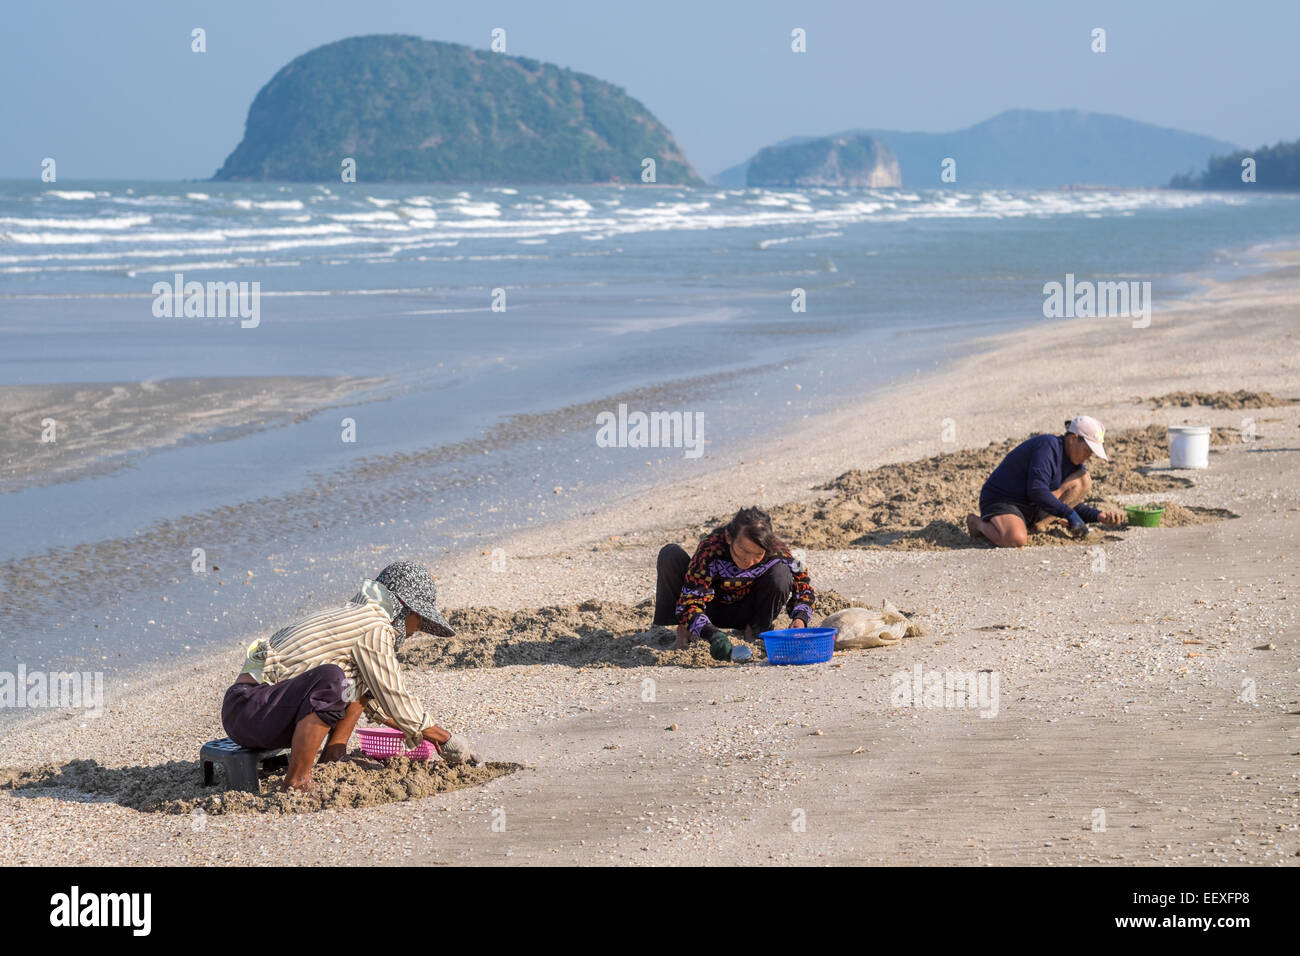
point(302, 786)
point(973, 526)
point(683, 636)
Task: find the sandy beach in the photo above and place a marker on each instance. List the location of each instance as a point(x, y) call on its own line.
point(1148, 680)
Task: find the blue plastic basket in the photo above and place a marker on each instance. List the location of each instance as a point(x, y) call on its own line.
point(800, 645)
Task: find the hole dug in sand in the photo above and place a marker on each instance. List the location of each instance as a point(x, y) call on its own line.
point(923, 504)
point(177, 787)
point(590, 634)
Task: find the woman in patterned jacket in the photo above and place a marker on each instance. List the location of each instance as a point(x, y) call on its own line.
point(742, 576)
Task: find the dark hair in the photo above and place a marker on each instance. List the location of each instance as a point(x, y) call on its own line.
point(756, 525)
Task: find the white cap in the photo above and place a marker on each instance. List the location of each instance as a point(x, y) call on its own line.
point(1090, 430)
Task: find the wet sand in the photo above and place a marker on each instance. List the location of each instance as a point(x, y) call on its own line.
point(96, 589)
point(1147, 683)
point(99, 427)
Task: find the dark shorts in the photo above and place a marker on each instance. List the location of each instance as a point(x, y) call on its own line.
point(1029, 514)
point(765, 601)
point(263, 716)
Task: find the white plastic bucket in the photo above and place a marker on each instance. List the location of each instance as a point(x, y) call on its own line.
point(1189, 446)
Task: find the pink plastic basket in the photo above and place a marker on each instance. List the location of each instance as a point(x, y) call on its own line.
point(384, 742)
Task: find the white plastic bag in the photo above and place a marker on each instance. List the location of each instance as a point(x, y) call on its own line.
point(869, 627)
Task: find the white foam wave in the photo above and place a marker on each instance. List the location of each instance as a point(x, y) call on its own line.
point(467, 208)
point(577, 205)
point(293, 204)
point(146, 200)
point(210, 265)
point(766, 243)
point(115, 222)
point(321, 229)
point(422, 214)
point(365, 232)
point(446, 311)
point(277, 246)
point(379, 216)
point(197, 235)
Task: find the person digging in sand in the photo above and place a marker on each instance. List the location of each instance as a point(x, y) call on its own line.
point(310, 682)
point(742, 576)
point(1040, 482)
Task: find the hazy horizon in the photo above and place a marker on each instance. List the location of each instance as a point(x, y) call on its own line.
point(113, 91)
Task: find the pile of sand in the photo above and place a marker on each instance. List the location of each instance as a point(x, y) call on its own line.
point(177, 787)
point(1133, 452)
point(591, 634)
point(1223, 400)
point(923, 504)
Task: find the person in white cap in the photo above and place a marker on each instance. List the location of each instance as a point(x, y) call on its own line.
point(1041, 481)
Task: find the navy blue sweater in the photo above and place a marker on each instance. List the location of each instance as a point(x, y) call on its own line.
point(1029, 474)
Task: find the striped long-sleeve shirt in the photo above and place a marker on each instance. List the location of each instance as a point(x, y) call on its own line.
point(358, 637)
point(712, 575)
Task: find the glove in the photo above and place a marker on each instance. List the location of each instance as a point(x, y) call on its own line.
point(458, 750)
point(1078, 527)
point(719, 643)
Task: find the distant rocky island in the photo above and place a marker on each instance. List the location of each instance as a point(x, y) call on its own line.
point(1032, 148)
point(412, 110)
point(1274, 167)
point(849, 160)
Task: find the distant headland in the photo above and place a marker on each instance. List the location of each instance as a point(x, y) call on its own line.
point(404, 109)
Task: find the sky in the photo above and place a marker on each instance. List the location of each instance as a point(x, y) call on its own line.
point(111, 90)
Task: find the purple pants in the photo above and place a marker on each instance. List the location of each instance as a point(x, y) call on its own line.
point(263, 716)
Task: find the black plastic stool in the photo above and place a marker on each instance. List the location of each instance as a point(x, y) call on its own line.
point(241, 765)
